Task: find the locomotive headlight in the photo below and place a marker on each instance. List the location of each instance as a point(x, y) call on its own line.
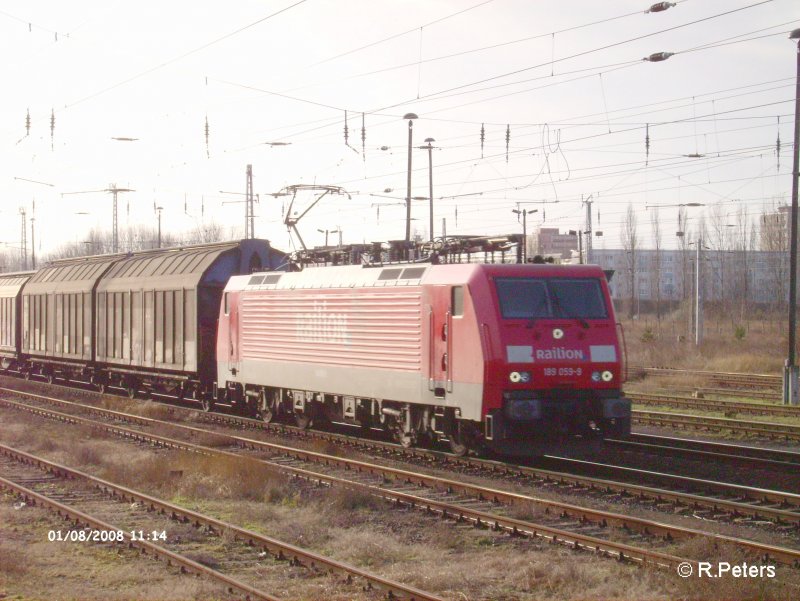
point(607, 376)
point(596, 376)
point(520, 377)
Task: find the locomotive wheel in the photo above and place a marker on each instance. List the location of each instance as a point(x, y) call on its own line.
point(462, 439)
point(621, 427)
point(458, 447)
point(49, 378)
point(302, 420)
point(266, 409)
point(26, 375)
point(131, 390)
point(206, 403)
point(398, 433)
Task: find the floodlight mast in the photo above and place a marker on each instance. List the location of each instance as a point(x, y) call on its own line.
point(113, 190)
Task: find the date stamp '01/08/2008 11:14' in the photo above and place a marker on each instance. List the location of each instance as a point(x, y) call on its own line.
point(105, 536)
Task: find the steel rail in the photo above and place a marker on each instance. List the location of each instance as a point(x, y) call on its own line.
point(762, 495)
point(446, 510)
point(764, 395)
point(603, 518)
point(751, 380)
point(688, 402)
point(765, 429)
point(81, 518)
point(778, 456)
point(697, 453)
point(696, 501)
point(279, 549)
point(679, 497)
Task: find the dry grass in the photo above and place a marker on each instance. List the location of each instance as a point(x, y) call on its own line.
point(349, 500)
point(154, 410)
point(197, 476)
point(14, 562)
point(31, 567)
point(670, 343)
point(459, 563)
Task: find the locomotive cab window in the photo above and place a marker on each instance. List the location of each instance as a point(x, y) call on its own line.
point(551, 298)
point(457, 301)
point(522, 298)
point(578, 298)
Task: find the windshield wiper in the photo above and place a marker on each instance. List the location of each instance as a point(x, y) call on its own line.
point(534, 316)
point(557, 304)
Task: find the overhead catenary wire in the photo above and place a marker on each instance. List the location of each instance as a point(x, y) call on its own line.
point(522, 157)
point(617, 65)
point(402, 33)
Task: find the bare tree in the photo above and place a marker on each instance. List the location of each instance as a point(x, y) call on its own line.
point(774, 238)
point(211, 231)
point(10, 260)
point(630, 244)
point(741, 246)
point(718, 240)
point(683, 236)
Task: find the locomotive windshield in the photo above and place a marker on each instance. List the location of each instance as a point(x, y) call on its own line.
point(548, 298)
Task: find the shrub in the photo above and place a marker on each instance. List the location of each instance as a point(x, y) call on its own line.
point(739, 332)
point(647, 335)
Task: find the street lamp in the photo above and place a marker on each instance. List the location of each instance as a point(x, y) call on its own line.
point(410, 117)
point(524, 213)
point(430, 182)
point(698, 306)
point(790, 373)
point(158, 210)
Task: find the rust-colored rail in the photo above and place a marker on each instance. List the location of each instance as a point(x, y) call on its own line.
point(754, 506)
point(278, 549)
point(716, 452)
point(769, 430)
point(723, 379)
point(719, 405)
point(81, 518)
point(446, 510)
point(650, 527)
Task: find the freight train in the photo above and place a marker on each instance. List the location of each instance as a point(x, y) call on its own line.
point(514, 359)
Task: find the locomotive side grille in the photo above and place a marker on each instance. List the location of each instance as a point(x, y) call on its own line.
point(357, 328)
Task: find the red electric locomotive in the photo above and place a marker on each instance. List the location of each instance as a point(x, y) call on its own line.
point(512, 358)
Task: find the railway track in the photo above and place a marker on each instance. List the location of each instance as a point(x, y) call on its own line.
point(703, 450)
point(769, 396)
point(723, 406)
point(490, 502)
point(769, 430)
point(683, 492)
point(719, 379)
point(240, 552)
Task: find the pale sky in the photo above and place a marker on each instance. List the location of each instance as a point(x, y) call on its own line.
point(566, 79)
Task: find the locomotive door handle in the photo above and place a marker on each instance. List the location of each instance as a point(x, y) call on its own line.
point(448, 355)
point(431, 351)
